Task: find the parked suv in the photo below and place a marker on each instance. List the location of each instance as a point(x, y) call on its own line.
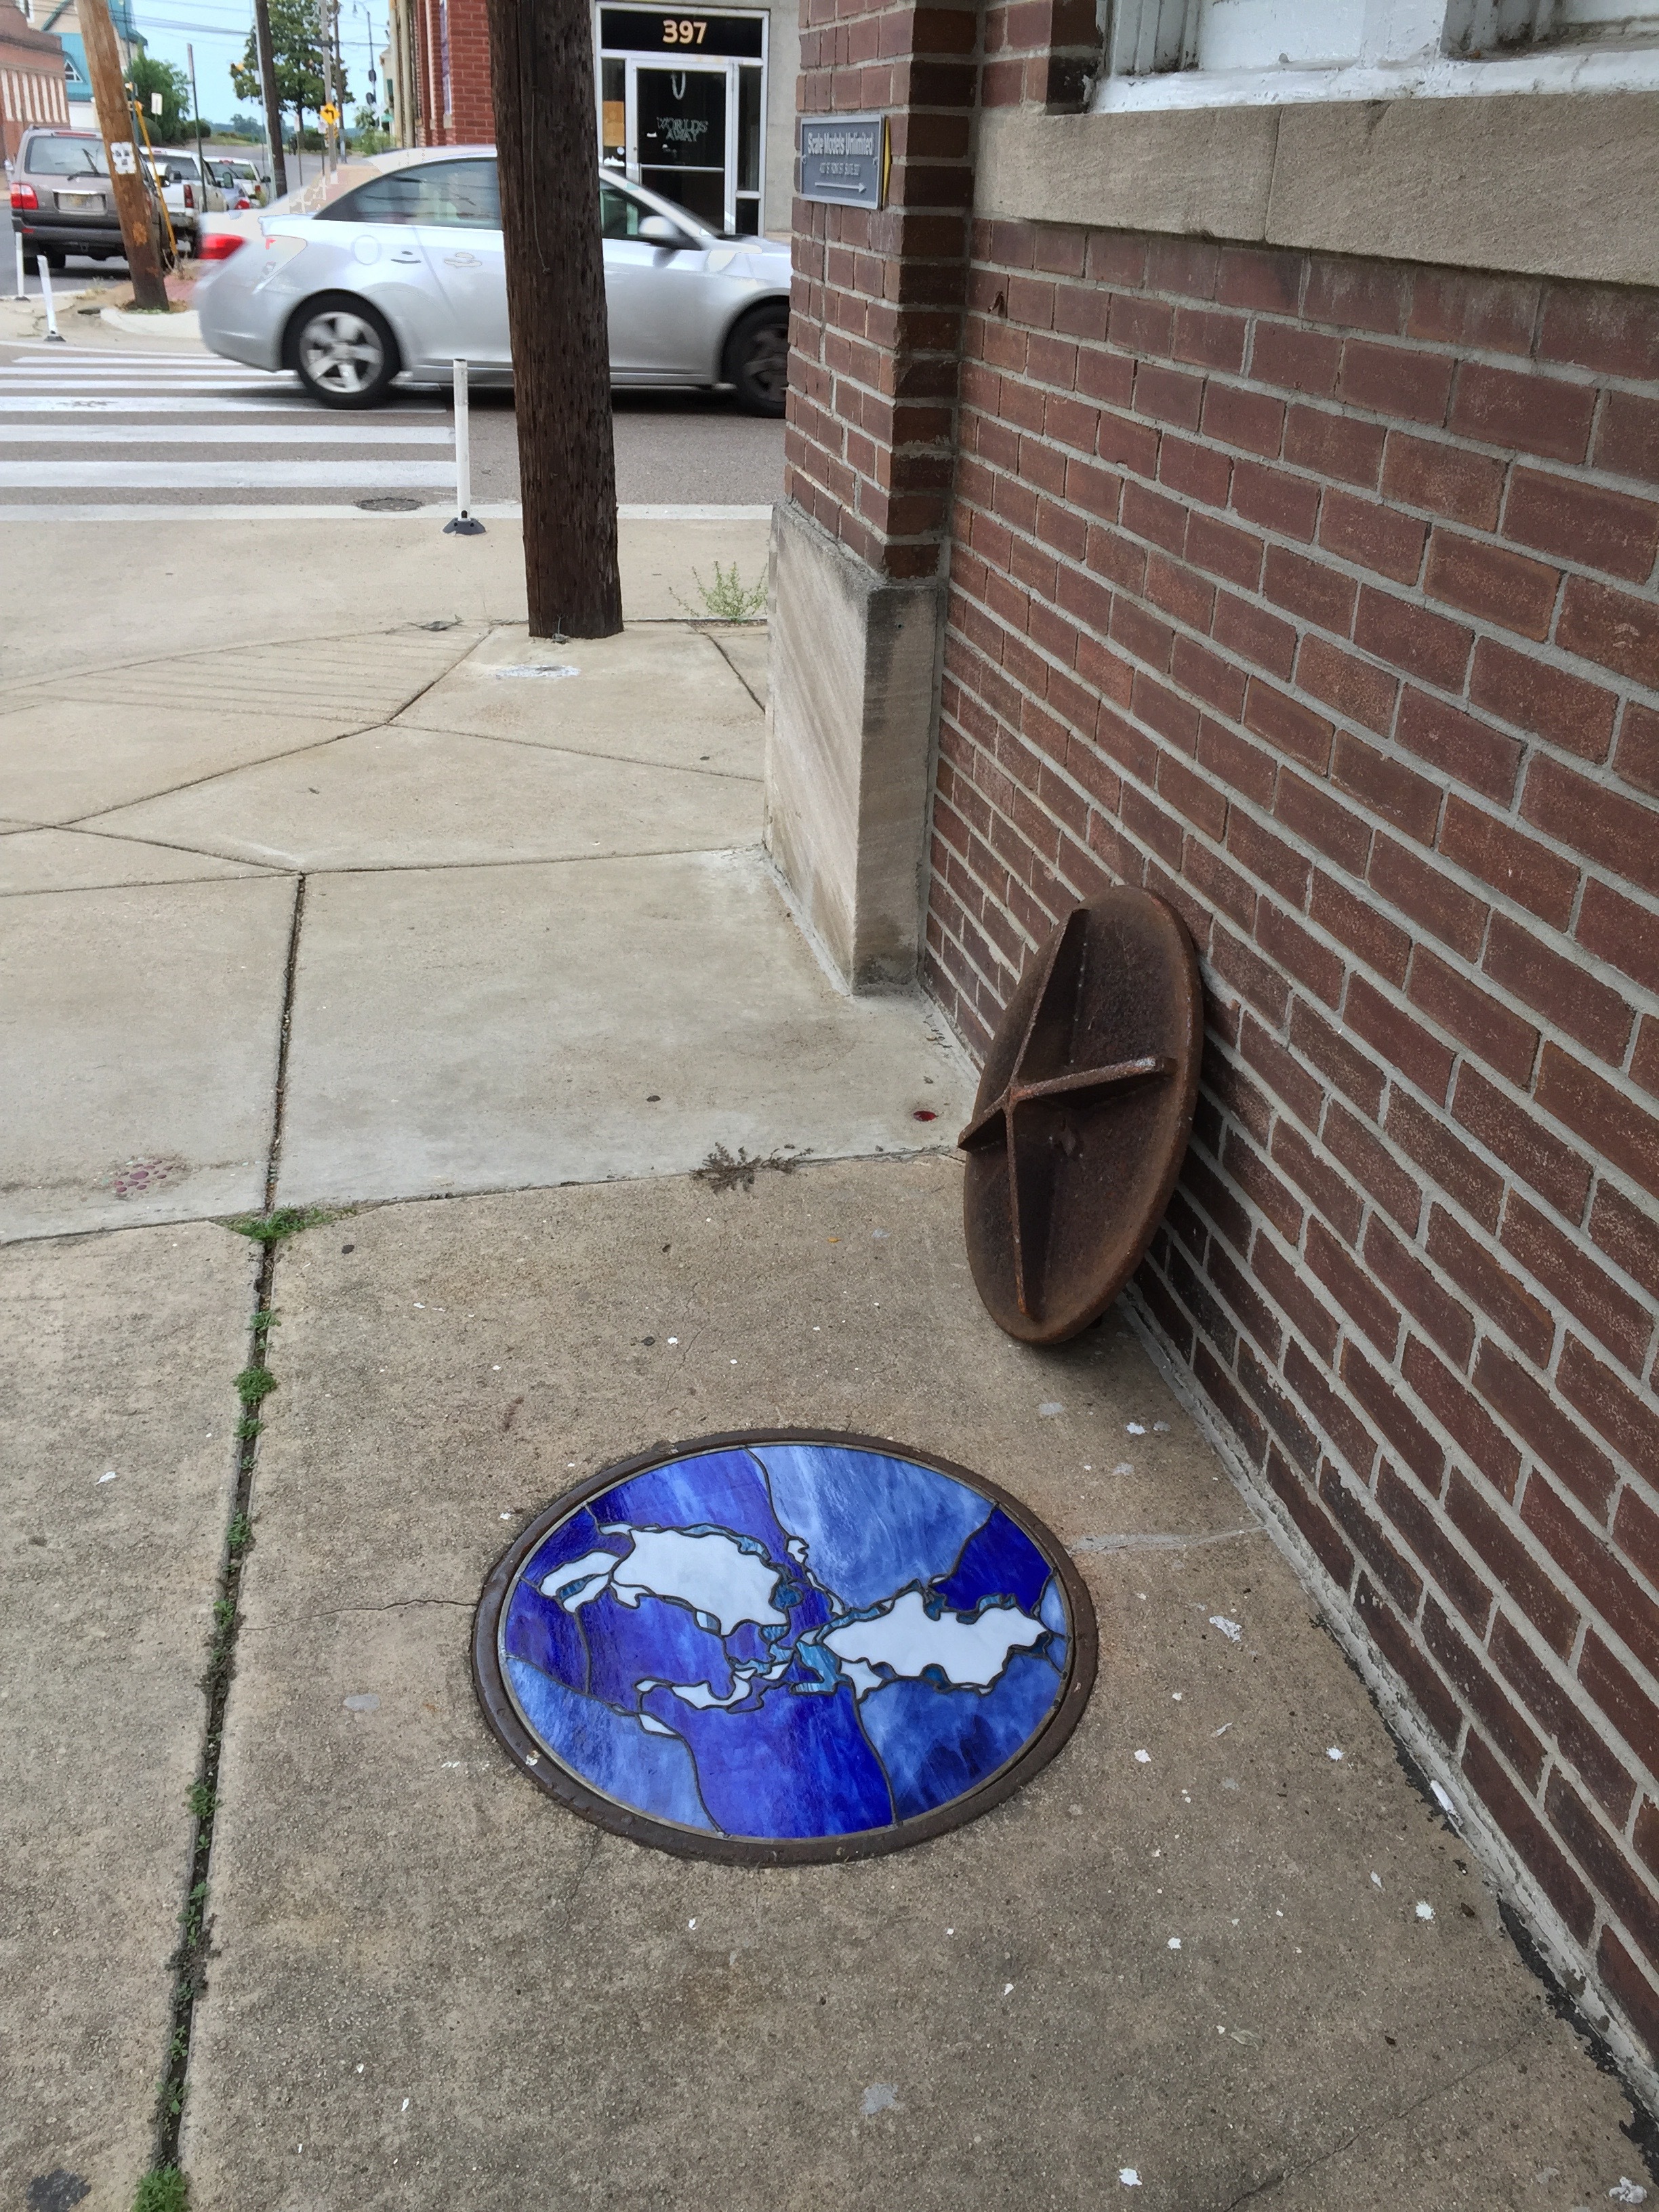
point(61, 198)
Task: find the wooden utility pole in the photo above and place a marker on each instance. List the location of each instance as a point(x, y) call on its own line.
point(273, 106)
point(548, 151)
point(127, 178)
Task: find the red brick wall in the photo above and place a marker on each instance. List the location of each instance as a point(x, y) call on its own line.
point(878, 296)
point(472, 118)
point(1318, 595)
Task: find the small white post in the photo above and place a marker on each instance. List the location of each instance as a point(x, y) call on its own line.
point(17, 239)
point(465, 523)
point(54, 336)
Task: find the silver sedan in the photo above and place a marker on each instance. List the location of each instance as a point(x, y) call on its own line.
point(394, 267)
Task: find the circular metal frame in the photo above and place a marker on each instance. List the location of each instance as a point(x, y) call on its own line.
point(581, 1797)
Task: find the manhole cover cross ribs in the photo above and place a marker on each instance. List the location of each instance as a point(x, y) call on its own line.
point(1083, 1114)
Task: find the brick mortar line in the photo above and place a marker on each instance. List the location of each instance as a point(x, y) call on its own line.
point(1534, 744)
point(1576, 1231)
point(1617, 1076)
point(1564, 1321)
point(1554, 1758)
point(1331, 1366)
point(1398, 1709)
point(1564, 1669)
point(1492, 897)
point(1604, 776)
point(1547, 651)
point(1297, 319)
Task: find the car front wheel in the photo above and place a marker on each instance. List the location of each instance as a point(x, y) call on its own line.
point(342, 352)
point(758, 359)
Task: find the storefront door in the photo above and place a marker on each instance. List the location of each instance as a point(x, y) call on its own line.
point(678, 136)
point(683, 109)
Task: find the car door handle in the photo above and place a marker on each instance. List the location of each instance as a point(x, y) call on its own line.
point(462, 261)
point(405, 256)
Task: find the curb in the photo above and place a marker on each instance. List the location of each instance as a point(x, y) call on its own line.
point(184, 325)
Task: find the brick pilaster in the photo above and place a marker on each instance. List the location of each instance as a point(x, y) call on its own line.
point(878, 296)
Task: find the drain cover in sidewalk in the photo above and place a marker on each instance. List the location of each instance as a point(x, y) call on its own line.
point(780, 1647)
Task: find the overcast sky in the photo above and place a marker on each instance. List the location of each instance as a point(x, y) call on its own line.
point(218, 30)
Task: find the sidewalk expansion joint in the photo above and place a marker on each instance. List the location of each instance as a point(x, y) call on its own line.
point(189, 1962)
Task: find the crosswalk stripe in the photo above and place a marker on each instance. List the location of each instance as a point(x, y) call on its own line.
point(163, 511)
point(17, 379)
point(505, 510)
point(48, 403)
point(184, 379)
point(325, 433)
point(69, 356)
point(320, 475)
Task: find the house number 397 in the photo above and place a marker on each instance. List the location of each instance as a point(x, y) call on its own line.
point(683, 31)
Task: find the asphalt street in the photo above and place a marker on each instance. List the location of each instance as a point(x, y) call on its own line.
point(174, 428)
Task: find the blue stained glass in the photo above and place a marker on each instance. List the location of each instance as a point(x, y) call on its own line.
point(725, 1490)
point(870, 1525)
point(999, 1561)
point(936, 1744)
point(786, 1641)
point(654, 1772)
point(792, 1765)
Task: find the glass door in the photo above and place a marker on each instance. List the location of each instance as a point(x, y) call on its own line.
point(681, 102)
point(679, 135)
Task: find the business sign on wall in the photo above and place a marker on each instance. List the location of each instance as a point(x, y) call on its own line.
point(844, 158)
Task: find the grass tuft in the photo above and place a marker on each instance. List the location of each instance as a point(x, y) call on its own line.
point(728, 599)
point(163, 2189)
point(284, 1221)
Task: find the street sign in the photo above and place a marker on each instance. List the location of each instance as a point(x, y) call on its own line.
point(330, 114)
point(844, 158)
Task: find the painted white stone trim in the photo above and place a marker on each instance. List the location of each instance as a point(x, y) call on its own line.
point(1576, 69)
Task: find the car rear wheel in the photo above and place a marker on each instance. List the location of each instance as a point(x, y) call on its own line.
point(56, 261)
point(342, 352)
point(758, 359)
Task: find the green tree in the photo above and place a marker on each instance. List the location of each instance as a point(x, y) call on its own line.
point(296, 38)
point(146, 75)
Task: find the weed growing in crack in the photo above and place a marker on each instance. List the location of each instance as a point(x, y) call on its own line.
point(163, 2189)
point(282, 1221)
point(728, 599)
point(723, 1171)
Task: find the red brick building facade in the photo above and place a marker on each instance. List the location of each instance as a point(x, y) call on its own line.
point(33, 89)
point(1303, 573)
point(446, 51)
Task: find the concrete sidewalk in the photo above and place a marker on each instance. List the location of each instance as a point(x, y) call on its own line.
point(340, 907)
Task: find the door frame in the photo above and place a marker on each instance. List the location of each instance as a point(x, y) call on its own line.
point(666, 58)
point(684, 65)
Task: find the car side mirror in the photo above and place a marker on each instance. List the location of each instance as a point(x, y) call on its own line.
point(657, 230)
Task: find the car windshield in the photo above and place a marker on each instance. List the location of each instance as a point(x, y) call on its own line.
point(67, 157)
point(457, 195)
point(176, 167)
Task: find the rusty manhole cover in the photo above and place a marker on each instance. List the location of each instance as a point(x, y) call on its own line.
point(1083, 1115)
point(783, 1646)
